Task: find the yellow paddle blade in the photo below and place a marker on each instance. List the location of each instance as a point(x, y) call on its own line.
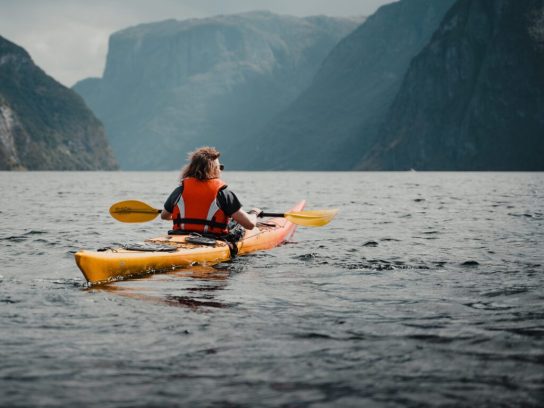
point(133, 211)
point(311, 218)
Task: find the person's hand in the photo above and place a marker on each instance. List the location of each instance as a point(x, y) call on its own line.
point(255, 211)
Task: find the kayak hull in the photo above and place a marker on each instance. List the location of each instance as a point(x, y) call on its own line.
point(119, 263)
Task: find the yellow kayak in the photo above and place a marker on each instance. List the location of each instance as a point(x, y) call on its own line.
point(176, 252)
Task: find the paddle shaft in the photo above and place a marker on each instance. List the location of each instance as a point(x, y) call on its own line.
point(261, 215)
point(267, 214)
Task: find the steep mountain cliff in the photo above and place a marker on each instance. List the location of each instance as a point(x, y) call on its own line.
point(474, 98)
point(337, 118)
point(43, 125)
point(171, 86)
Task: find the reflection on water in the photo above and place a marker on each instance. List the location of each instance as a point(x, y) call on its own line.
point(199, 283)
point(426, 290)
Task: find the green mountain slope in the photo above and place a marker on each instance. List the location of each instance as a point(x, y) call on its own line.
point(171, 86)
point(44, 125)
point(336, 120)
point(473, 99)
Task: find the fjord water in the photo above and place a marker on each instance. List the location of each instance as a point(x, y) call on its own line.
point(426, 290)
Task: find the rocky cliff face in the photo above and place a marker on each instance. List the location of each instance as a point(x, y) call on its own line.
point(336, 119)
point(171, 86)
point(43, 125)
point(474, 97)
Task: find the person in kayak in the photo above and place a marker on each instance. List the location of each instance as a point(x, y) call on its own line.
point(202, 202)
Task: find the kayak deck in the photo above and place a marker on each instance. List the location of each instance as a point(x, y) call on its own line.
point(121, 263)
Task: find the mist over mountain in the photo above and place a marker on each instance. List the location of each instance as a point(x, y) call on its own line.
point(473, 99)
point(337, 118)
point(44, 125)
point(171, 86)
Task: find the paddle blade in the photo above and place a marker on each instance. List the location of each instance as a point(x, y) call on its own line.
point(311, 218)
point(133, 211)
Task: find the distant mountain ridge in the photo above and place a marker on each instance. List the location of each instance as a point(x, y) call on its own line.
point(171, 86)
point(421, 84)
point(334, 121)
point(473, 99)
point(43, 125)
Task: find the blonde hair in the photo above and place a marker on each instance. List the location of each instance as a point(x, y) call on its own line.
point(201, 164)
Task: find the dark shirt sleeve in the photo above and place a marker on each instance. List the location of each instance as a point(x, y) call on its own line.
point(172, 199)
point(228, 202)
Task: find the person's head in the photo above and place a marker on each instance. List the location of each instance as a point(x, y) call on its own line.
point(203, 164)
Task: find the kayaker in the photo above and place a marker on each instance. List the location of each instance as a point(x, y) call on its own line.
point(202, 202)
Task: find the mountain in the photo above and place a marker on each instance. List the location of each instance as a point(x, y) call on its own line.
point(337, 118)
point(473, 99)
point(44, 125)
point(171, 86)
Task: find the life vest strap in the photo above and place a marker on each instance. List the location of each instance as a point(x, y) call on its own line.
point(199, 221)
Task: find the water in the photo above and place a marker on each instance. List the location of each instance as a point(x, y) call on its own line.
point(426, 290)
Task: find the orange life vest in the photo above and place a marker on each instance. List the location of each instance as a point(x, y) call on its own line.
point(197, 209)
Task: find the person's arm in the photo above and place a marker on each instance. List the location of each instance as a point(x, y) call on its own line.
point(165, 215)
point(248, 220)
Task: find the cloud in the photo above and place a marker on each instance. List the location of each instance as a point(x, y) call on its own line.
point(69, 38)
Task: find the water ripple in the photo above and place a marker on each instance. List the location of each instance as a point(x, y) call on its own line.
point(426, 290)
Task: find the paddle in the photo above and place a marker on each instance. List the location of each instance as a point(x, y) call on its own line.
point(133, 211)
point(309, 218)
point(137, 211)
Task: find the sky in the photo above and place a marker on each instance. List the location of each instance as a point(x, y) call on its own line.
point(68, 39)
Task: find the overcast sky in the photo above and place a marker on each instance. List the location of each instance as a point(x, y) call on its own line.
point(69, 38)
